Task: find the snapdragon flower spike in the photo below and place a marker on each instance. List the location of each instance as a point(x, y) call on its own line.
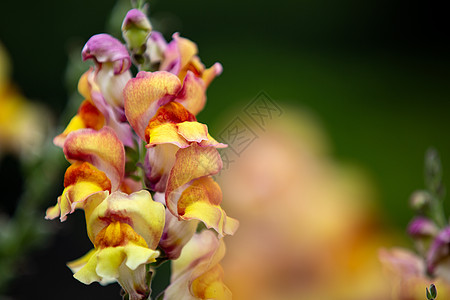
point(98, 164)
point(180, 56)
point(125, 230)
point(197, 274)
point(439, 250)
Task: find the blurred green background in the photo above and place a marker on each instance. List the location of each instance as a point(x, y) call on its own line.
point(375, 73)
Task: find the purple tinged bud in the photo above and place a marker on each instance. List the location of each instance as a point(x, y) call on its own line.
point(136, 18)
point(136, 29)
point(439, 249)
point(422, 227)
point(103, 48)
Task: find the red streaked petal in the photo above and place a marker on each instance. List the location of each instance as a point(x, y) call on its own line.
point(101, 148)
point(145, 94)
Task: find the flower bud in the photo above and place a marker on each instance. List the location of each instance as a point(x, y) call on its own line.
point(422, 227)
point(432, 293)
point(136, 29)
point(420, 199)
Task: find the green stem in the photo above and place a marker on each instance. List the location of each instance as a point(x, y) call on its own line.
point(437, 211)
point(141, 162)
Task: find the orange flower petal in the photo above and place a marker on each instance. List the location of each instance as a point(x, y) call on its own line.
point(145, 94)
point(102, 148)
point(190, 163)
point(80, 181)
point(88, 116)
point(172, 113)
point(176, 125)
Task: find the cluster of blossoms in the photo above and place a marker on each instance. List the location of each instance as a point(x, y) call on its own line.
point(142, 166)
point(430, 231)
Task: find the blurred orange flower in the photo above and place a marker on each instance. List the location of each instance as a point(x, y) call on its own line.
point(309, 226)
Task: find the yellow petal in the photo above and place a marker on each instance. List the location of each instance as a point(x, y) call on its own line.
point(196, 274)
point(87, 274)
point(79, 263)
point(108, 262)
point(166, 133)
point(193, 131)
point(53, 212)
point(88, 116)
point(138, 255)
point(211, 73)
point(81, 180)
point(172, 113)
point(201, 201)
point(187, 48)
point(83, 84)
point(75, 123)
point(210, 285)
point(75, 194)
point(201, 253)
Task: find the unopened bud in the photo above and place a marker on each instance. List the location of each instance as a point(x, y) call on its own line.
point(419, 200)
point(432, 293)
point(136, 29)
point(422, 227)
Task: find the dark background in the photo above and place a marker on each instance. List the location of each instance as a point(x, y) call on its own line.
point(376, 73)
